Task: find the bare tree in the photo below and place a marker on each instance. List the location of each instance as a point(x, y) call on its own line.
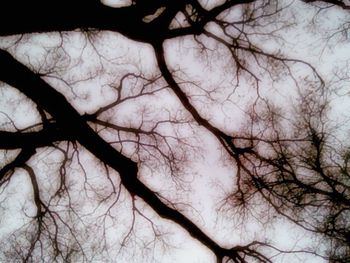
point(104, 118)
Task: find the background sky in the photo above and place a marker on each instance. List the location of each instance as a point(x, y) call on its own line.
point(92, 67)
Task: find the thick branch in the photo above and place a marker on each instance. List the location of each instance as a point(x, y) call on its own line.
point(48, 16)
point(19, 140)
point(19, 76)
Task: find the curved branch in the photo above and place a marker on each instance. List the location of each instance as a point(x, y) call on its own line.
point(338, 3)
point(19, 161)
point(223, 138)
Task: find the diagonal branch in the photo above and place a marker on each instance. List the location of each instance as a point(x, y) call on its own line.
point(223, 138)
point(69, 120)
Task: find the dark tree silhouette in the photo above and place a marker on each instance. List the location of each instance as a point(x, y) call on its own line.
point(102, 138)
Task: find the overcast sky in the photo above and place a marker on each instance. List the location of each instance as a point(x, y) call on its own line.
point(207, 177)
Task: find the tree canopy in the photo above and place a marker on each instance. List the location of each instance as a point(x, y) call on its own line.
point(127, 127)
